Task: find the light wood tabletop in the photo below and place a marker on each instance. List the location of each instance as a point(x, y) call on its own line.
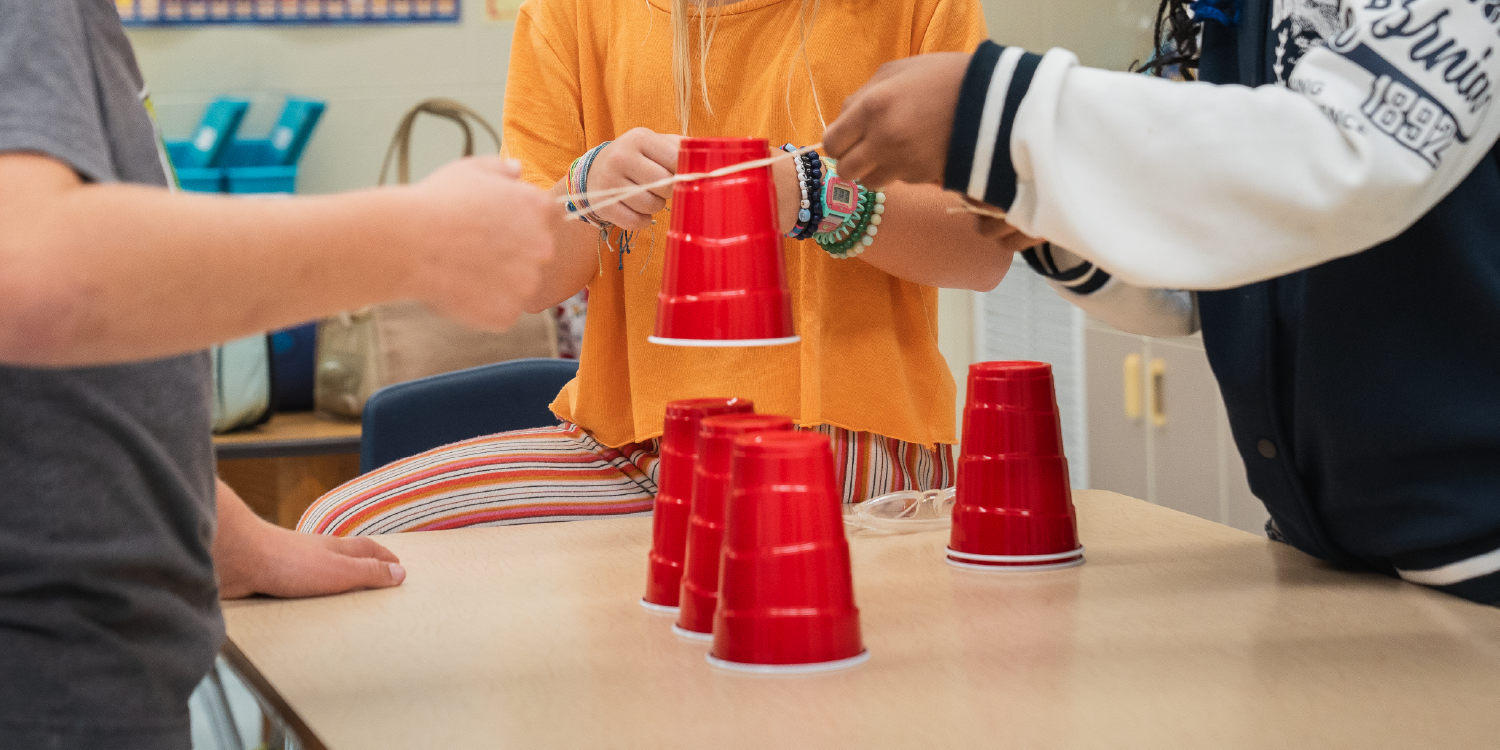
point(1177, 633)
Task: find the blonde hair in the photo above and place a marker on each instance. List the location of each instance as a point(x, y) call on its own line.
point(682, 56)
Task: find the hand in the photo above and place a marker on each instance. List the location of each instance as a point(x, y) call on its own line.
point(482, 242)
point(1003, 233)
point(639, 157)
point(897, 126)
point(253, 556)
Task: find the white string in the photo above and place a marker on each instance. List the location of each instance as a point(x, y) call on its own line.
point(970, 208)
point(612, 196)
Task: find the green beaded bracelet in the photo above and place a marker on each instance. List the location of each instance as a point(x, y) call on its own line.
point(848, 241)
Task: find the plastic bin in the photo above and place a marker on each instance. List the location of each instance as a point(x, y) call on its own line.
point(250, 166)
point(193, 179)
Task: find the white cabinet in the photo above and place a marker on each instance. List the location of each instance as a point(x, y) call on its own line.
point(1157, 428)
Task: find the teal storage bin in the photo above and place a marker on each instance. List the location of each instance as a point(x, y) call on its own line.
point(218, 127)
point(197, 161)
point(194, 179)
point(269, 165)
point(250, 166)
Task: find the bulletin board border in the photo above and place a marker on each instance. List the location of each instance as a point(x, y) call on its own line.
point(188, 13)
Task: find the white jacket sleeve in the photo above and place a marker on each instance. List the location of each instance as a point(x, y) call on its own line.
point(1198, 186)
point(1130, 308)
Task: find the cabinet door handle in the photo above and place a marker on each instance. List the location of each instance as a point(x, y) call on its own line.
point(1132, 389)
point(1158, 392)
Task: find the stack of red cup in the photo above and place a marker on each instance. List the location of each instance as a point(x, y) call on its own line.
point(723, 278)
point(786, 596)
point(711, 484)
point(1014, 508)
point(674, 487)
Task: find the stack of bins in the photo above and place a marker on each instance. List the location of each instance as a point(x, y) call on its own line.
point(216, 161)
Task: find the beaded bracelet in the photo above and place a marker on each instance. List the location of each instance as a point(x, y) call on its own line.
point(852, 238)
point(810, 184)
point(815, 191)
point(852, 216)
point(578, 186)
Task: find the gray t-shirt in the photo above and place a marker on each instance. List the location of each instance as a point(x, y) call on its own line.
point(108, 603)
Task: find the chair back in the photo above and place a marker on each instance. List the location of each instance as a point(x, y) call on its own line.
point(405, 419)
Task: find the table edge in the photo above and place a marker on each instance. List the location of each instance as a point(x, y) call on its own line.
point(294, 721)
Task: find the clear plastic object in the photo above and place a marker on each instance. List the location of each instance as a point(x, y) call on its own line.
point(904, 512)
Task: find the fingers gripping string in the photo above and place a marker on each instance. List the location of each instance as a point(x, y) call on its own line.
point(597, 199)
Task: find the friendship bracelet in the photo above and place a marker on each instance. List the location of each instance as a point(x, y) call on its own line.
point(578, 177)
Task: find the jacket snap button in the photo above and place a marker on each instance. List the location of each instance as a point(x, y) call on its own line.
point(1266, 447)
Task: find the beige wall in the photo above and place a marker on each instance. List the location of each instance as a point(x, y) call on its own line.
point(370, 75)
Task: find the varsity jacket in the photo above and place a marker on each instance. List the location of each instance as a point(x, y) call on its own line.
point(1342, 233)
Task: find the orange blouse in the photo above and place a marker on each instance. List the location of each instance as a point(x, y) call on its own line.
point(585, 71)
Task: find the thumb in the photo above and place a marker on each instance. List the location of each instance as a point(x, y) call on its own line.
point(351, 573)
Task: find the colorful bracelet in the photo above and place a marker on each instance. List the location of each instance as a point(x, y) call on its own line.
point(851, 215)
point(578, 187)
point(815, 191)
point(857, 232)
point(809, 184)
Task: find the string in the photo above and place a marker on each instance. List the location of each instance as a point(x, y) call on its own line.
point(597, 199)
point(970, 208)
point(611, 196)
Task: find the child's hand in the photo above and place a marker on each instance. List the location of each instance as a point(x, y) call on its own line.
point(1004, 234)
point(897, 126)
point(638, 157)
point(482, 240)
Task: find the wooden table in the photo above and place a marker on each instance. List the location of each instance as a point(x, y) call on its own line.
point(282, 466)
point(1177, 633)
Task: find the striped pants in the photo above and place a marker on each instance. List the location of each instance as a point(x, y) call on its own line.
point(561, 474)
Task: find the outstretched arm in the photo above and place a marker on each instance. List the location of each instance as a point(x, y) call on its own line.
point(1372, 131)
point(99, 273)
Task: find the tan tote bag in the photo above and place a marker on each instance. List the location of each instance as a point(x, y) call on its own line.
point(363, 351)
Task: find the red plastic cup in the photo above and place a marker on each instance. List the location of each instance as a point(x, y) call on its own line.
point(1014, 505)
point(674, 490)
point(723, 279)
point(786, 598)
point(711, 477)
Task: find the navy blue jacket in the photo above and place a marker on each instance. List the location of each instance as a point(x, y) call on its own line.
point(1364, 393)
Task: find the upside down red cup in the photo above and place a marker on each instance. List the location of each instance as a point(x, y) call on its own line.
point(723, 278)
point(786, 596)
point(711, 477)
point(1014, 505)
point(674, 488)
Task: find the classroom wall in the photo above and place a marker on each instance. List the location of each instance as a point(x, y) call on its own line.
point(370, 75)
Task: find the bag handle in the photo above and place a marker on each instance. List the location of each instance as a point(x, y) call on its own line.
point(449, 109)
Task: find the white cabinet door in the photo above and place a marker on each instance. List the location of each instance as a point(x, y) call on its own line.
point(1182, 403)
point(1116, 434)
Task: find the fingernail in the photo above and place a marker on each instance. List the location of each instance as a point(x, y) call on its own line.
point(398, 573)
point(513, 163)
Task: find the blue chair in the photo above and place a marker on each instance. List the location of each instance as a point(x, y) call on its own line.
point(407, 418)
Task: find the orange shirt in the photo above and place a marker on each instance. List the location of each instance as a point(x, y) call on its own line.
point(585, 71)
